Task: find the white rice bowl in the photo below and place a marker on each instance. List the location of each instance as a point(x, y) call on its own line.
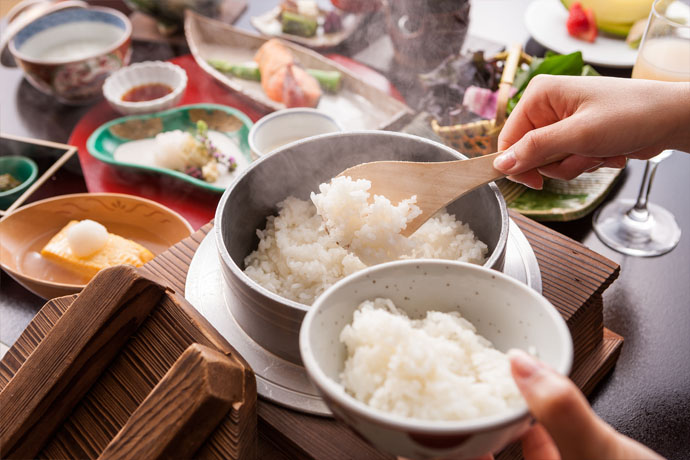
point(435, 368)
point(297, 257)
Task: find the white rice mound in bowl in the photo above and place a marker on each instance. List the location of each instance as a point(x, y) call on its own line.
point(300, 253)
point(435, 368)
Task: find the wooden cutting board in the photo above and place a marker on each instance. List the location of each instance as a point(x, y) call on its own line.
point(573, 278)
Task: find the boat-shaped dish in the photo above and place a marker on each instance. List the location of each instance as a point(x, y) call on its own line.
point(233, 124)
point(357, 105)
point(269, 23)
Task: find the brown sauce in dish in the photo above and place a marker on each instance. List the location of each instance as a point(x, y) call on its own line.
point(147, 92)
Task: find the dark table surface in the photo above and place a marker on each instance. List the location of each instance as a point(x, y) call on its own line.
point(647, 396)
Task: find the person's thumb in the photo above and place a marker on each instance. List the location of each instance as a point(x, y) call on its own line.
point(561, 408)
point(540, 147)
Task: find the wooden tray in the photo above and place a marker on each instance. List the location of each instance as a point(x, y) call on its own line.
point(357, 105)
point(573, 277)
point(50, 157)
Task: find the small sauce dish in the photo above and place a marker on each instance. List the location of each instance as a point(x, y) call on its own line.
point(23, 172)
point(286, 126)
point(145, 87)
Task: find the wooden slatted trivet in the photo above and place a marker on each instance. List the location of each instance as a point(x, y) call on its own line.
point(573, 278)
point(94, 371)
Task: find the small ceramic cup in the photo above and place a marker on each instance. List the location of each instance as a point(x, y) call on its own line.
point(286, 126)
point(21, 168)
point(143, 73)
point(505, 311)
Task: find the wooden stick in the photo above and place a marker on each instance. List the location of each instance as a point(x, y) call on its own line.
point(184, 408)
point(509, 71)
point(45, 390)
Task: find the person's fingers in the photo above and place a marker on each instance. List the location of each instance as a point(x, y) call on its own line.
point(570, 167)
point(567, 169)
point(542, 104)
point(538, 445)
point(561, 408)
point(542, 146)
point(483, 457)
point(615, 162)
point(563, 411)
point(594, 168)
point(644, 154)
point(532, 179)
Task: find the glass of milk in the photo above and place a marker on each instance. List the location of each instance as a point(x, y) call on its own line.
point(637, 227)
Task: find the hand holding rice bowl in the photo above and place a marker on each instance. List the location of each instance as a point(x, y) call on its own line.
point(271, 320)
point(503, 310)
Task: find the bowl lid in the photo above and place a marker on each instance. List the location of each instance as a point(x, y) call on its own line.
point(23, 14)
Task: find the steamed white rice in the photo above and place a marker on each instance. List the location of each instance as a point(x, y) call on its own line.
point(298, 258)
point(369, 231)
point(435, 368)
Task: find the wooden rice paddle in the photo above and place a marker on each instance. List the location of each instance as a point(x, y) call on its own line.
point(435, 184)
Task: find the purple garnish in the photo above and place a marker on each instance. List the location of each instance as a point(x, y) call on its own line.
point(194, 171)
point(222, 158)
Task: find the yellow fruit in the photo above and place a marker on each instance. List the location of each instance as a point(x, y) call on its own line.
point(620, 30)
point(615, 15)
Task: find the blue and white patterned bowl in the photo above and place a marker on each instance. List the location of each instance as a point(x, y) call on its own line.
point(69, 53)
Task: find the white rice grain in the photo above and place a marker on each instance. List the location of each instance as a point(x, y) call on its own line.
point(298, 259)
point(435, 368)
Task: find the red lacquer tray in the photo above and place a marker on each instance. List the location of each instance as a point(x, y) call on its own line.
point(197, 206)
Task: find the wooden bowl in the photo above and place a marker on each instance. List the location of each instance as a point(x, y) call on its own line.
point(25, 231)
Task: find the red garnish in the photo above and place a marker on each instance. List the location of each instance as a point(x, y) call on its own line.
point(581, 23)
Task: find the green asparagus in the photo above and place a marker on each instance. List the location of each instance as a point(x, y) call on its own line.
point(297, 24)
point(330, 80)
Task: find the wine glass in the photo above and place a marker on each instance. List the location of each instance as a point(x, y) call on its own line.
point(637, 227)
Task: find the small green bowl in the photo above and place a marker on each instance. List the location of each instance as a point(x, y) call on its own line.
point(21, 168)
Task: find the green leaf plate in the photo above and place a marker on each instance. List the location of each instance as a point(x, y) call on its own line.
point(234, 124)
point(560, 200)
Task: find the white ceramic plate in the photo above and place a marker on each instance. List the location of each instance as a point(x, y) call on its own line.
point(545, 21)
point(269, 24)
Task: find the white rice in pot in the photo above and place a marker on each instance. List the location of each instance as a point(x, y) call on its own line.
point(435, 368)
point(369, 231)
point(299, 255)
